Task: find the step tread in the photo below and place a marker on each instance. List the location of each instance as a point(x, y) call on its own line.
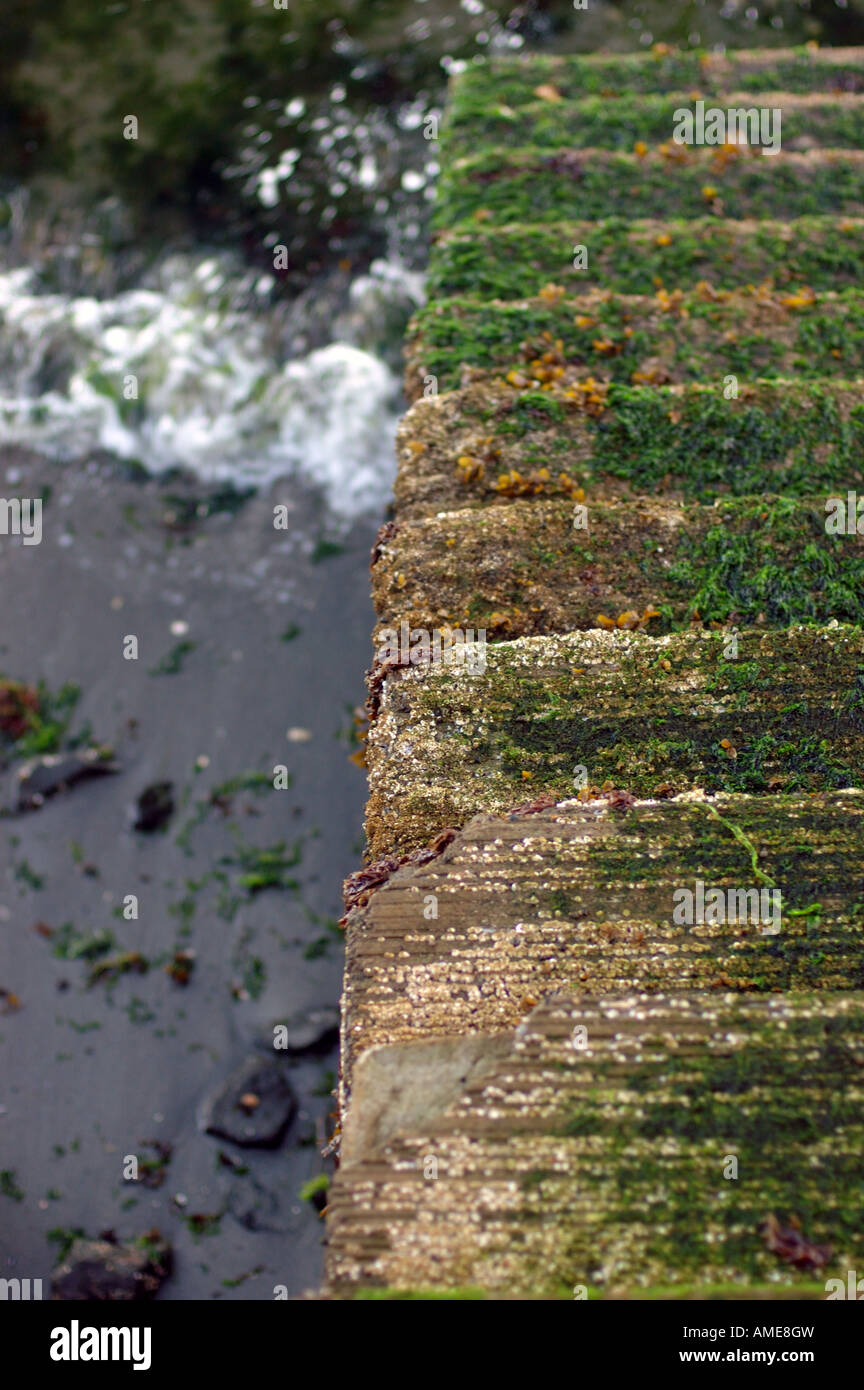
point(518, 185)
point(698, 334)
point(514, 80)
point(490, 442)
point(581, 896)
point(638, 255)
point(775, 711)
point(807, 120)
point(529, 569)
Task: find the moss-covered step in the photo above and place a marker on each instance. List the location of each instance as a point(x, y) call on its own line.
point(790, 122)
point(642, 255)
point(491, 442)
point(631, 1145)
point(500, 187)
point(527, 569)
point(514, 81)
point(491, 726)
point(598, 897)
point(700, 335)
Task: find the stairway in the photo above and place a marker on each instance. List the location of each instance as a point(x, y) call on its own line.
point(604, 993)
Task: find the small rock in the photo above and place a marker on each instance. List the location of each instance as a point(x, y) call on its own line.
point(43, 777)
point(105, 1271)
point(256, 1208)
point(227, 1116)
point(312, 1030)
point(155, 805)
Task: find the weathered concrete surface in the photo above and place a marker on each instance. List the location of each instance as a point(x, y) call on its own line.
point(600, 1153)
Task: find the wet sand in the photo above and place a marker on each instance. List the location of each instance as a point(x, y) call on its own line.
point(90, 1073)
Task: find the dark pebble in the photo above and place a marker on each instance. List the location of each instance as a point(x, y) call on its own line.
point(262, 1126)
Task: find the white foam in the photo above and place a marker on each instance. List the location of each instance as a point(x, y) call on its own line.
point(214, 396)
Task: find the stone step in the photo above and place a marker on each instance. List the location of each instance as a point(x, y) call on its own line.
point(492, 442)
point(526, 569)
point(677, 1145)
point(790, 121)
point(642, 255)
point(498, 187)
point(597, 897)
point(698, 335)
point(514, 81)
point(761, 711)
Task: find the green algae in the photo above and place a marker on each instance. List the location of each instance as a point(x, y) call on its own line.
point(654, 716)
point(782, 1090)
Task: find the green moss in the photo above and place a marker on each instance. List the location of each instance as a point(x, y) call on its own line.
point(525, 185)
point(512, 82)
point(795, 438)
point(763, 560)
point(619, 336)
point(772, 722)
point(515, 262)
point(595, 122)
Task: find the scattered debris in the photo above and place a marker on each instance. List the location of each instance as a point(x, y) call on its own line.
point(19, 706)
point(315, 1191)
point(42, 777)
point(180, 966)
point(115, 966)
point(172, 663)
point(152, 1171)
point(9, 1185)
